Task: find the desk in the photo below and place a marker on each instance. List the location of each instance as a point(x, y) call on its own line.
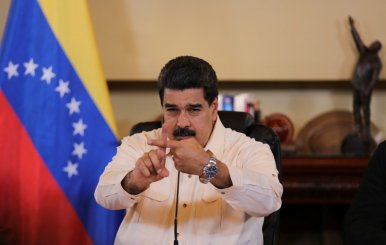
point(321, 180)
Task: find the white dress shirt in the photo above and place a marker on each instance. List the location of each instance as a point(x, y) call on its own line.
point(206, 215)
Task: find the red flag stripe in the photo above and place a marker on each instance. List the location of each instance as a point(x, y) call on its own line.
point(35, 188)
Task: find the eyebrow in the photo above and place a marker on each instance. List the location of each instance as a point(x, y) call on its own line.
point(170, 105)
point(198, 105)
point(195, 105)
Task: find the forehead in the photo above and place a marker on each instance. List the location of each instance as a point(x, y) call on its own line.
point(184, 97)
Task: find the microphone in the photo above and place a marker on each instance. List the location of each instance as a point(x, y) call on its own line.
point(176, 213)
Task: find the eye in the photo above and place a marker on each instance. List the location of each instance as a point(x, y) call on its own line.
point(171, 111)
point(194, 110)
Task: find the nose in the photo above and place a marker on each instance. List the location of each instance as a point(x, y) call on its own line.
point(183, 120)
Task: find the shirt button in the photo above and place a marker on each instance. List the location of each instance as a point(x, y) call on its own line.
point(189, 176)
point(185, 205)
point(222, 192)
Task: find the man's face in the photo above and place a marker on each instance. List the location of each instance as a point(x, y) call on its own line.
point(188, 114)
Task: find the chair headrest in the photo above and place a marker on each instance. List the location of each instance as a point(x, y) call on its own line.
point(145, 126)
point(236, 120)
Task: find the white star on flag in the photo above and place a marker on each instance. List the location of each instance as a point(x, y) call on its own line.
point(71, 169)
point(73, 106)
point(30, 67)
point(79, 127)
point(79, 150)
point(11, 69)
point(62, 88)
point(47, 74)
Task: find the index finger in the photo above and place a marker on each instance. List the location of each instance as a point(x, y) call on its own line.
point(167, 127)
point(164, 139)
point(163, 144)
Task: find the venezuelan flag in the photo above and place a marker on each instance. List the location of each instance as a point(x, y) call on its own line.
point(56, 127)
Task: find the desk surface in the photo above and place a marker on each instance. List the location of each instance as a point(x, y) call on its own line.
point(322, 179)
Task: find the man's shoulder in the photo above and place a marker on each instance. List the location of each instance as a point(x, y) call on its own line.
point(235, 137)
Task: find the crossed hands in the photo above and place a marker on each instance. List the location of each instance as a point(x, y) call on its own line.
point(188, 155)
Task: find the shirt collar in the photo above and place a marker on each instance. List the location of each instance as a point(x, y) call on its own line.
point(217, 139)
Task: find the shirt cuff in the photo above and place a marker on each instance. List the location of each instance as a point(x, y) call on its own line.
point(236, 176)
point(123, 195)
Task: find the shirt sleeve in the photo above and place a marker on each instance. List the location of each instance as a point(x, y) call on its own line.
point(256, 188)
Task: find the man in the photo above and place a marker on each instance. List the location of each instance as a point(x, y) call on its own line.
point(365, 221)
point(227, 181)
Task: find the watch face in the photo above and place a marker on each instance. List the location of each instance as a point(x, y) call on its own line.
point(210, 170)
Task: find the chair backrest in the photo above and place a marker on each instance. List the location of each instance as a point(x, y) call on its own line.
point(244, 123)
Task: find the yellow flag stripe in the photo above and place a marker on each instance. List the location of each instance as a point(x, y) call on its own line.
point(71, 23)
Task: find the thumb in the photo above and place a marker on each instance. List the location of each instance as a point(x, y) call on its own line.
point(164, 173)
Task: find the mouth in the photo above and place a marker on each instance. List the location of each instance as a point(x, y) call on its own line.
point(183, 137)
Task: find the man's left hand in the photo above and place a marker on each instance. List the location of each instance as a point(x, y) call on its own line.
point(188, 155)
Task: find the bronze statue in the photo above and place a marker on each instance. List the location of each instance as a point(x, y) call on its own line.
point(365, 76)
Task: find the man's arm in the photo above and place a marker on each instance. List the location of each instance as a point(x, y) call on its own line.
point(256, 188)
point(130, 172)
point(357, 39)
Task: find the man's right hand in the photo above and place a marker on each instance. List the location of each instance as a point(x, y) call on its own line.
point(149, 168)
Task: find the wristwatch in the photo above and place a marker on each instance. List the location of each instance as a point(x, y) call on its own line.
point(209, 171)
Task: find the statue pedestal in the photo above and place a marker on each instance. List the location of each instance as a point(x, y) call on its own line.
point(354, 144)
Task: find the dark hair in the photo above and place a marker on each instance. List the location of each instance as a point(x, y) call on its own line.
point(185, 72)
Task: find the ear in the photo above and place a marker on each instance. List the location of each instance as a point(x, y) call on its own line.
point(214, 108)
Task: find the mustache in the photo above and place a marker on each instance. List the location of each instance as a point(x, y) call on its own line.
point(182, 132)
